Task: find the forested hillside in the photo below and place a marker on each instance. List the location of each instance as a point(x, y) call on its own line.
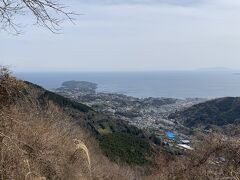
point(220, 112)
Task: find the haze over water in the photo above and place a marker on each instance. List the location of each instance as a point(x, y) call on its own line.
point(174, 84)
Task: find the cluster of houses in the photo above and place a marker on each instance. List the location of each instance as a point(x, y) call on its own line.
point(180, 143)
point(169, 138)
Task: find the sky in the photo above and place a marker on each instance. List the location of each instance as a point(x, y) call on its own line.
point(131, 35)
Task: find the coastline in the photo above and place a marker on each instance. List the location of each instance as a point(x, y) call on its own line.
point(145, 113)
point(178, 85)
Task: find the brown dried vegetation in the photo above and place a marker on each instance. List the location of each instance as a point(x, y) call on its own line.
point(215, 157)
point(46, 144)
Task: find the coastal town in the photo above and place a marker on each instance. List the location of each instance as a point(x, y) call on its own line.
point(150, 114)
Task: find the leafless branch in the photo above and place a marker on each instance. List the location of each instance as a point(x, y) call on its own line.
point(47, 13)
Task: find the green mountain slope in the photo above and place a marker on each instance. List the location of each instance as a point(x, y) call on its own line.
point(220, 112)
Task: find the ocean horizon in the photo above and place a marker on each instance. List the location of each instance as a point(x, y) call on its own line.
point(168, 84)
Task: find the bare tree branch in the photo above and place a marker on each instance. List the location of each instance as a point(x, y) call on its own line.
point(48, 13)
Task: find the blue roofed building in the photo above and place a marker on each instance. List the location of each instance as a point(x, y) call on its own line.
point(170, 135)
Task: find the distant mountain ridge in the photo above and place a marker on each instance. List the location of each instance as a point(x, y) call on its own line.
point(220, 112)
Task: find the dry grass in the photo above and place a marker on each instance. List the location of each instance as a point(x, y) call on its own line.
point(215, 157)
point(37, 144)
point(10, 88)
point(45, 144)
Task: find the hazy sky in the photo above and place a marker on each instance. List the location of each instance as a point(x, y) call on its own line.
point(132, 35)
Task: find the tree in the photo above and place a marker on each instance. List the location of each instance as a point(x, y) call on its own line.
point(47, 13)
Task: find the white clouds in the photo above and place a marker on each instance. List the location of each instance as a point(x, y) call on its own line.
point(135, 35)
point(149, 2)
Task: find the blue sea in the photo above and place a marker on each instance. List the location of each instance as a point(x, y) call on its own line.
point(174, 84)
